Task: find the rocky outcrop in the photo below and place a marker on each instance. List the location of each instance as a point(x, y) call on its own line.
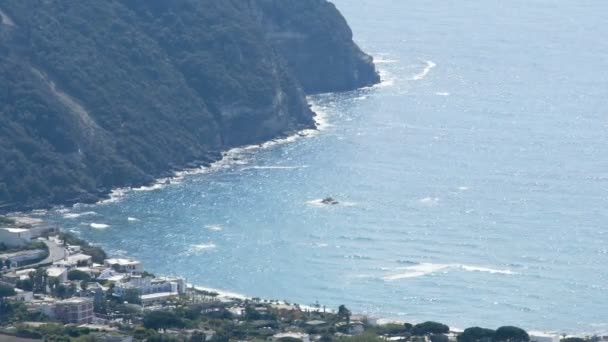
point(102, 94)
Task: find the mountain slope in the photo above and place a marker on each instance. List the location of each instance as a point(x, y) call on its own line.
point(100, 94)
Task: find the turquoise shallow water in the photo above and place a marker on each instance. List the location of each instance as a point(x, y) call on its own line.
point(473, 181)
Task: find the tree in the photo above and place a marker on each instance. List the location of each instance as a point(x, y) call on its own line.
point(344, 314)
point(78, 275)
point(198, 336)
point(439, 338)
point(428, 328)
point(477, 334)
point(162, 320)
point(6, 291)
point(39, 280)
point(132, 296)
point(511, 334)
point(25, 284)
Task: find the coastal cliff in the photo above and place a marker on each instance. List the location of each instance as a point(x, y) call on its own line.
point(102, 94)
point(317, 43)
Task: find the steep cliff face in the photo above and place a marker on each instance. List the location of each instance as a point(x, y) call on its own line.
point(100, 94)
point(317, 43)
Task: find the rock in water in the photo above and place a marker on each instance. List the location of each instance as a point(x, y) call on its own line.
point(329, 201)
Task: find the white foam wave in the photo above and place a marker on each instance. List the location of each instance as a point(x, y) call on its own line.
point(463, 188)
point(157, 186)
point(429, 268)
point(417, 271)
point(360, 98)
point(204, 246)
point(485, 269)
point(132, 219)
point(429, 201)
point(422, 75)
point(381, 60)
point(214, 227)
point(99, 225)
point(77, 215)
point(442, 93)
point(230, 157)
point(116, 195)
point(276, 167)
point(386, 79)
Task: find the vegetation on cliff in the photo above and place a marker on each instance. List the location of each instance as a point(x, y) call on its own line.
point(102, 94)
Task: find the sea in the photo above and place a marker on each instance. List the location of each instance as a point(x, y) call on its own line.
point(472, 182)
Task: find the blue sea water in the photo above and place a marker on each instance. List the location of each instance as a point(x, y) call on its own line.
point(473, 183)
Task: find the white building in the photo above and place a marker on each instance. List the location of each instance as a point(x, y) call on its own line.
point(23, 296)
point(58, 272)
point(125, 265)
point(152, 289)
point(75, 310)
point(75, 260)
point(543, 337)
point(15, 237)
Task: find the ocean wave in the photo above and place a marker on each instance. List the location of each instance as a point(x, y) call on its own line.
point(275, 167)
point(214, 227)
point(357, 257)
point(442, 93)
point(424, 269)
point(204, 246)
point(99, 225)
point(132, 219)
point(116, 195)
point(386, 79)
point(231, 157)
point(381, 60)
point(429, 201)
point(156, 186)
point(427, 69)
point(77, 215)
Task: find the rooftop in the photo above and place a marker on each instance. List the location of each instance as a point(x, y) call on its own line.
point(55, 271)
point(158, 295)
point(15, 230)
point(117, 261)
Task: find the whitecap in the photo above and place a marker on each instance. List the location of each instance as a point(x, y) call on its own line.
point(275, 167)
point(463, 188)
point(77, 215)
point(152, 187)
point(442, 93)
point(417, 271)
point(116, 195)
point(99, 225)
point(132, 219)
point(386, 79)
point(214, 227)
point(204, 246)
point(485, 269)
point(422, 75)
point(385, 61)
point(423, 269)
point(429, 201)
